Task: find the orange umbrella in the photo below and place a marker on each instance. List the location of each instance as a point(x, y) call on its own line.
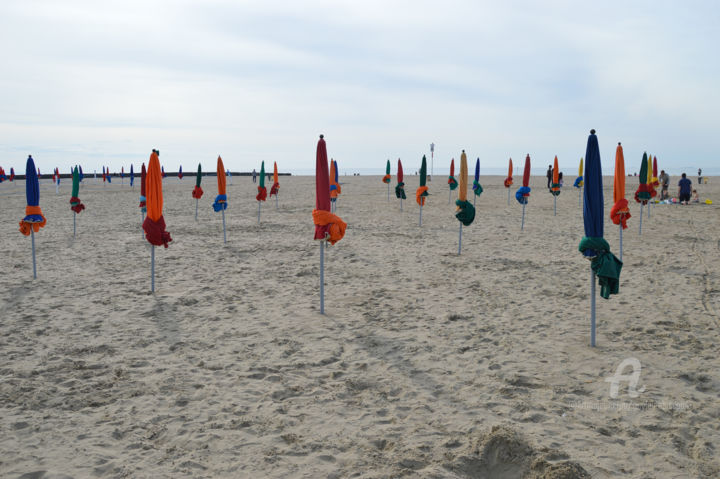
point(555, 186)
point(509, 180)
point(333, 186)
point(620, 212)
point(154, 224)
point(221, 199)
point(465, 212)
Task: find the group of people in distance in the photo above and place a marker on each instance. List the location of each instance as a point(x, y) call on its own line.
point(686, 193)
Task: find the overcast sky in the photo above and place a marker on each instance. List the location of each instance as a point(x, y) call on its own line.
point(104, 82)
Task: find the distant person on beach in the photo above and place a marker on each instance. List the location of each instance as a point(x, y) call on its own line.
point(254, 176)
point(699, 176)
point(560, 179)
point(664, 182)
point(684, 189)
point(549, 175)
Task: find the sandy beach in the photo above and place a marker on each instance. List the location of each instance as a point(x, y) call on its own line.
point(427, 364)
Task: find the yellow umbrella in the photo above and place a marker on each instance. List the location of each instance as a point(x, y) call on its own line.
point(465, 212)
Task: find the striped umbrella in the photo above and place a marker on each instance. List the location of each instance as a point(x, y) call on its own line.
point(34, 219)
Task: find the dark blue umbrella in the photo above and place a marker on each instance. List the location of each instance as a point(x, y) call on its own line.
point(604, 264)
point(81, 174)
point(34, 219)
point(132, 175)
point(477, 188)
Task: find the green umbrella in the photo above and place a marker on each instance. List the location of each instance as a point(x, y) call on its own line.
point(75, 203)
point(642, 195)
point(262, 191)
point(197, 191)
point(422, 191)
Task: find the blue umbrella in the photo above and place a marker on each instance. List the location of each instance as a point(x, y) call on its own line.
point(132, 175)
point(593, 246)
point(477, 188)
point(81, 174)
point(34, 219)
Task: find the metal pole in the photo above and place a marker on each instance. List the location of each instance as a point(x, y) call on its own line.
point(401, 204)
point(522, 224)
point(649, 204)
point(508, 196)
point(277, 205)
point(224, 234)
point(259, 203)
point(420, 215)
point(641, 215)
point(152, 268)
point(474, 198)
point(592, 308)
point(322, 277)
point(621, 228)
point(449, 195)
point(554, 205)
point(196, 208)
point(74, 215)
point(580, 197)
point(388, 192)
point(460, 240)
point(32, 240)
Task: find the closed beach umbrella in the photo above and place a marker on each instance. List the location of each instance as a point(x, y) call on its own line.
point(104, 175)
point(262, 191)
point(81, 173)
point(334, 187)
point(108, 175)
point(509, 179)
point(620, 213)
point(655, 181)
point(337, 180)
point(220, 203)
point(386, 179)
point(452, 182)
point(328, 227)
point(644, 191)
point(523, 193)
point(593, 246)
point(180, 173)
point(122, 175)
point(162, 171)
point(400, 188)
point(132, 176)
point(465, 212)
point(422, 192)
point(197, 192)
point(477, 187)
point(34, 219)
point(579, 182)
point(555, 186)
point(275, 188)
point(75, 204)
point(154, 224)
point(12, 174)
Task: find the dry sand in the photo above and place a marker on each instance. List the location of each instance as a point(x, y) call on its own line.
point(427, 364)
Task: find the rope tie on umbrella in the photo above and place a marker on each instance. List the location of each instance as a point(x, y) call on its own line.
point(34, 220)
point(465, 212)
point(336, 228)
point(555, 189)
point(420, 195)
point(197, 192)
point(619, 214)
point(508, 182)
point(274, 189)
point(578, 182)
point(386, 179)
point(605, 265)
point(262, 193)
point(452, 182)
point(220, 203)
point(155, 232)
point(76, 205)
point(143, 203)
point(522, 194)
point(400, 191)
point(477, 188)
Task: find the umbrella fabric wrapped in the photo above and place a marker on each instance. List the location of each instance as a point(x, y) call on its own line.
point(103, 174)
point(387, 177)
point(276, 184)
point(197, 192)
point(132, 175)
point(523, 193)
point(333, 181)
point(180, 175)
point(162, 170)
point(81, 173)
point(579, 180)
point(509, 180)
point(642, 194)
point(143, 200)
point(337, 181)
point(452, 182)
point(3, 177)
point(620, 213)
point(650, 183)
point(107, 169)
point(262, 191)
point(477, 187)
point(465, 212)
point(34, 219)
point(154, 224)
point(655, 181)
point(327, 225)
point(555, 185)
point(605, 265)
point(75, 203)
point(422, 192)
point(12, 174)
point(400, 188)
point(220, 203)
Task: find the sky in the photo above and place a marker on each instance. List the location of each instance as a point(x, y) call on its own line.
point(104, 82)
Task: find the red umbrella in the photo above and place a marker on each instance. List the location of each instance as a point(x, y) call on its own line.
point(400, 188)
point(523, 193)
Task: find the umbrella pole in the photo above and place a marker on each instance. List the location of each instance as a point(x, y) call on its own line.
point(196, 208)
point(449, 196)
point(277, 205)
point(554, 205)
point(641, 215)
point(401, 204)
point(74, 215)
point(420, 215)
point(580, 197)
point(259, 212)
point(32, 242)
point(649, 209)
point(152, 268)
point(621, 228)
point(474, 198)
point(508, 196)
point(460, 240)
point(388, 192)
point(322, 277)
point(522, 223)
point(592, 308)
point(224, 234)
point(57, 187)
